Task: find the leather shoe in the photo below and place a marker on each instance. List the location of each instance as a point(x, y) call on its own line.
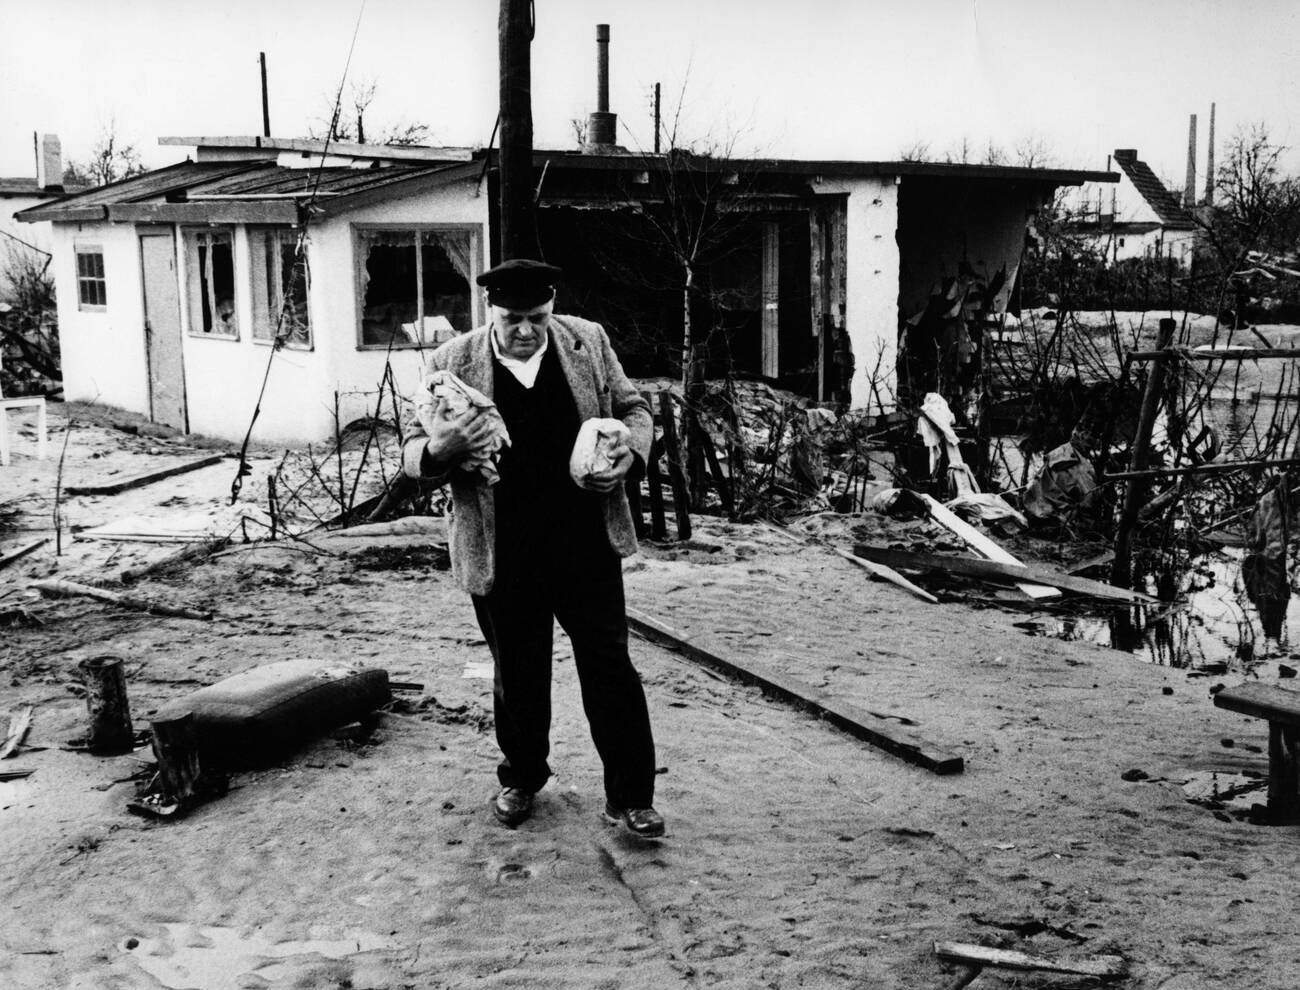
point(646, 823)
point(512, 805)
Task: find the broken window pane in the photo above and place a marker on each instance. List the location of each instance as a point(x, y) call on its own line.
point(211, 262)
point(280, 287)
point(416, 288)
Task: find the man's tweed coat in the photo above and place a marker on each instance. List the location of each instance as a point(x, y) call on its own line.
point(600, 389)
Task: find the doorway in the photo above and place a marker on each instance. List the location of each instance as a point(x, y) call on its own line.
point(162, 330)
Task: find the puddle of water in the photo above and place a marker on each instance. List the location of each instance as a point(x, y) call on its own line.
point(188, 957)
point(1234, 793)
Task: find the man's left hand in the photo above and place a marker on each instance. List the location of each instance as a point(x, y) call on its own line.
point(607, 481)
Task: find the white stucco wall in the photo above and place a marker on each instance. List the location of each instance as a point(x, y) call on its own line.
point(103, 353)
point(871, 284)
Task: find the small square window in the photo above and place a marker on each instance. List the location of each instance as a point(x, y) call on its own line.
point(280, 287)
point(92, 287)
point(416, 285)
point(210, 259)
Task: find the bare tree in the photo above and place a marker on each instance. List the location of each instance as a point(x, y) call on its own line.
point(350, 123)
point(111, 158)
point(917, 151)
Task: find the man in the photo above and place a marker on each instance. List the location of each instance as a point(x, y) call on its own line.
point(537, 546)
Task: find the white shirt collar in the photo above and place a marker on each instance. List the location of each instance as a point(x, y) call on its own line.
point(524, 369)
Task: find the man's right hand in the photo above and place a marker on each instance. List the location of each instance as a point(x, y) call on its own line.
point(451, 439)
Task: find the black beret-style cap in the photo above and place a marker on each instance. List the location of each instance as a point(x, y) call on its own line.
point(520, 283)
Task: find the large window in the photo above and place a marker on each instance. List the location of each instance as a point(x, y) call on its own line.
point(415, 284)
point(92, 288)
point(210, 260)
point(280, 284)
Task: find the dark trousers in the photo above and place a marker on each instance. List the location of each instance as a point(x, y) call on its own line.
point(517, 618)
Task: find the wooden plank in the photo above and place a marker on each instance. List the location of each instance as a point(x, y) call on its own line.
point(676, 476)
point(22, 552)
point(771, 300)
point(140, 480)
point(1105, 967)
point(720, 480)
point(992, 570)
point(864, 725)
point(59, 588)
point(1238, 354)
point(19, 723)
point(982, 545)
point(886, 573)
point(654, 485)
point(1267, 701)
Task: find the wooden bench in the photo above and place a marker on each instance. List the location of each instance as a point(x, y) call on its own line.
point(36, 402)
point(1281, 709)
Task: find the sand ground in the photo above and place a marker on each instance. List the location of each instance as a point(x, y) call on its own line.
point(796, 856)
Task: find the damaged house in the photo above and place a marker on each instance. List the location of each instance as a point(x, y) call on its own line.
point(173, 285)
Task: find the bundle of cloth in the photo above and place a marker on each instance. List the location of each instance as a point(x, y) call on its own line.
point(593, 450)
point(444, 396)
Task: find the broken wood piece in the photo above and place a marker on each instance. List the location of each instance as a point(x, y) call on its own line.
point(887, 573)
point(676, 471)
point(1104, 967)
point(181, 783)
point(16, 773)
point(194, 551)
point(19, 723)
point(873, 729)
point(59, 588)
point(111, 730)
point(140, 480)
point(991, 570)
point(22, 552)
point(982, 545)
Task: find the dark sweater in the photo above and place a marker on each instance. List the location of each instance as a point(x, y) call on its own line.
point(543, 519)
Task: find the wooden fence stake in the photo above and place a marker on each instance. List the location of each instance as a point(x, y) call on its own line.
point(110, 712)
point(676, 476)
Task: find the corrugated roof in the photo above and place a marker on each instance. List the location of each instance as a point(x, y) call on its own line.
point(237, 191)
point(1160, 199)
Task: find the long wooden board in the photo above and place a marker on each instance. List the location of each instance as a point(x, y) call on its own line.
point(864, 725)
point(1266, 701)
point(1105, 967)
point(982, 545)
point(991, 570)
point(140, 480)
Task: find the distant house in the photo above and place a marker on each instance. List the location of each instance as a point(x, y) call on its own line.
point(1138, 217)
point(23, 192)
point(173, 285)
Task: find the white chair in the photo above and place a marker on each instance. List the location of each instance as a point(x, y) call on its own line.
point(36, 402)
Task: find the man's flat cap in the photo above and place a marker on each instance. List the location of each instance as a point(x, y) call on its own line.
point(520, 283)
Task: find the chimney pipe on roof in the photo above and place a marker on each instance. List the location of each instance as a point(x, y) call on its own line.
point(49, 163)
point(1209, 163)
point(1189, 187)
point(602, 126)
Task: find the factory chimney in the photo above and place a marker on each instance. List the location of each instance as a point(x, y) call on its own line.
point(1209, 163)
point(1189, 187)
point(602, 126)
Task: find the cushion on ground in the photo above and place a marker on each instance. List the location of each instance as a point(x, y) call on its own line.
point(255, 716)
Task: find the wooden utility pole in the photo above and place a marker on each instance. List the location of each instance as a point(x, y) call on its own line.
point(518, 224)
point(1135, 490)
point(266, 100)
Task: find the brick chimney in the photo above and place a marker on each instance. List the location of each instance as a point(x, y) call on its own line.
point(49, 162)
point(602, 126)
point(1189, 187)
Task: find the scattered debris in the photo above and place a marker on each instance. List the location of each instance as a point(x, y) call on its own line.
point(22, 552)
point(59, 588)
point(976, 957)
point(19, 724)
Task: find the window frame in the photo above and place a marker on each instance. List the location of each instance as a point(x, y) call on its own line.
point(193, 307)
point(476, 304)
point(90, 249)
point(256, 246)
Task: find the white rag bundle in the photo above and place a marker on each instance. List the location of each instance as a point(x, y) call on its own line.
point(444, 396)
point(593, 450)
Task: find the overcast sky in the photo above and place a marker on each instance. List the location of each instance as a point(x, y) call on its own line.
point(796, 78)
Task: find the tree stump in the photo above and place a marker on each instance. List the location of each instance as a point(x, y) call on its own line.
point(110, 712)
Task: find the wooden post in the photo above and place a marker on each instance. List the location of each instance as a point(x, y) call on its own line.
point(1122, 569)
point(1283, 774)
point(676, 475)
point(175, 746)
point(110, 713)
point(266, 100)
point(720, 481)
point(518, 225)
point(658, 525)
